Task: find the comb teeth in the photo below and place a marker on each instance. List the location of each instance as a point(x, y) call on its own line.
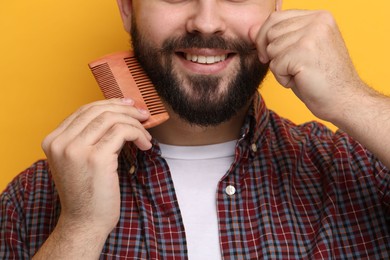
point(106, 81)
point(120, 75)
point(148, 92)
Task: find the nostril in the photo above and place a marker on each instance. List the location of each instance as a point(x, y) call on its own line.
point(206, 21)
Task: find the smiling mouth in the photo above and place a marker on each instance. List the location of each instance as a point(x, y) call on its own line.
point(204, 59)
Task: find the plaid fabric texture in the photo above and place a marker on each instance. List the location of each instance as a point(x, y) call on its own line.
point(302, 192)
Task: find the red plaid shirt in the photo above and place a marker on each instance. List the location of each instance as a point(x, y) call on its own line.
point(302, 192)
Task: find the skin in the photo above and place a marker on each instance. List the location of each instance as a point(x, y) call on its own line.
point(306, 53)
point(206, 18)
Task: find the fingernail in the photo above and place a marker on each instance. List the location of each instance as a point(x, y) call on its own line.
point(143, 111)
point(128, 101)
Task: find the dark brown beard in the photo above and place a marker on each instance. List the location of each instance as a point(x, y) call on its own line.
point(206, 105)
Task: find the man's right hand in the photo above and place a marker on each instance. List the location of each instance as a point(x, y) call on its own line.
point(83, 157)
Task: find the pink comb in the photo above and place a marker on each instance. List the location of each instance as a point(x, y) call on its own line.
point(119, 75)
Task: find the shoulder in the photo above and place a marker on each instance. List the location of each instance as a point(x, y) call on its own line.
point(311, 133)
point(31, 189)
point(35, 178)
point(29, 210)
point(319, 143)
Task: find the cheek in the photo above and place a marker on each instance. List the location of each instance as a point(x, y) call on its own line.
point(254, 18)
point(156, 34)
point(156, 26)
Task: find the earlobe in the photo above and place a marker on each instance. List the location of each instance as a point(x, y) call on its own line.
point(125, 9)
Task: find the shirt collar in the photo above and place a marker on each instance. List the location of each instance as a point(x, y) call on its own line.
point(256, 120)
point(253, 130)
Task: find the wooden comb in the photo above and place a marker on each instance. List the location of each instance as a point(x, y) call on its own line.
point(119, 75)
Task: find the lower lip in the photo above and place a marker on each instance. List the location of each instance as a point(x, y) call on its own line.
point(204, 69)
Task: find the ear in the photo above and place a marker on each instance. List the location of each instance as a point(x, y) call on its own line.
point(125, 9)
point(278, 5)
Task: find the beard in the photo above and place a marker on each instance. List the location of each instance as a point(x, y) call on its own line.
point(200, 99)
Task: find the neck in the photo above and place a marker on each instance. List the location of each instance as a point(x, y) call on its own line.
point(176, 131)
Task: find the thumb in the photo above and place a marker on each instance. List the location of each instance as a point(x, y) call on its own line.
point(259, 42)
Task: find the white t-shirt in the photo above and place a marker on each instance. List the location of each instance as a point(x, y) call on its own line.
point(196, 172)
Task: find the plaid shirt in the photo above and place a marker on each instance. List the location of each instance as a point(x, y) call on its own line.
point(301, 192)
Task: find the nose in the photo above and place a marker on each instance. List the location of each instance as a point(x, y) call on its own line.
point(206, 18)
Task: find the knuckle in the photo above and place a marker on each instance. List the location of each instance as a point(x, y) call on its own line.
point(126, 131)
point(45, 144)
point(271, 33)
point(94, 158)
point(118, 128)
point(83, 108)
point(115, 131)
point(87, 108)
point(135, 123)
point(307, 43)
point(103, 117)
point(106, 115)
point(269, 50)
point(325, 16)
point(55, 147)
point(71, 152)
point(273, 65)
point(325, 22)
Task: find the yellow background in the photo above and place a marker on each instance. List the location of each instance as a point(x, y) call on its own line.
point(45, 46)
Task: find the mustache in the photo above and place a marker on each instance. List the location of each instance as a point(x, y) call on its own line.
point(198, 41)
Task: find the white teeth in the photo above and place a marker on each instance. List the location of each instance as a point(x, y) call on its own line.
point(210, 60)
point(202, 59)
point(205, 59)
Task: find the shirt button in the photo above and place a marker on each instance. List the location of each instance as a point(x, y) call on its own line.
point(254, 148)
point(230, 190)
point(132, 170)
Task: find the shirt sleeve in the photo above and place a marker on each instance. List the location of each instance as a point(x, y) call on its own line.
point(12, 227)
point(366, 165)
point(29, 211)
point(382, 176)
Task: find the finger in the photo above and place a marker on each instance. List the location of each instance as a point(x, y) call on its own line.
point(80, 122)
point(94, 131)
point(89, 112)
point(281, 43)
point(287, 65)
point(260, 37)
point(54, 134)
point(289, 24)
point(116, 136)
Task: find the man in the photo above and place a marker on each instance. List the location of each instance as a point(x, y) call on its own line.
point(224, 177)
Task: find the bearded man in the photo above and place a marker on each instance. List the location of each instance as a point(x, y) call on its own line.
point(224, 177)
